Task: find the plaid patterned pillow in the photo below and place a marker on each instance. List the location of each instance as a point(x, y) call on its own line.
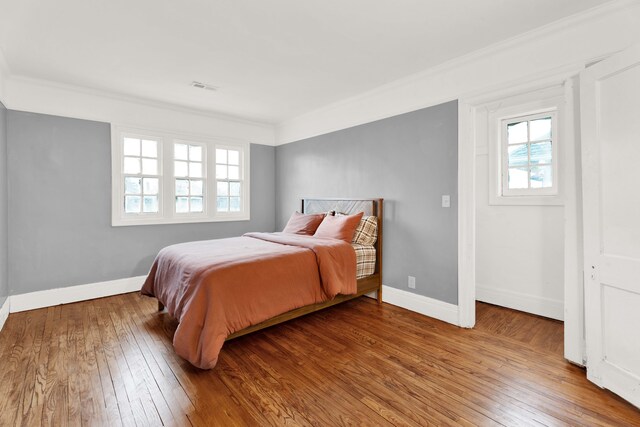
point(367, 231)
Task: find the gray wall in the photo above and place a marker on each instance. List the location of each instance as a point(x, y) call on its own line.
point(4, 284)
point(410, 160)
point(60, 207)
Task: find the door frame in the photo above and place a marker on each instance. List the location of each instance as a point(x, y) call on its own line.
point(573, 278)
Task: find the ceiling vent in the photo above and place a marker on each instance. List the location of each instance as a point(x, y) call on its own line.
point(203, 86)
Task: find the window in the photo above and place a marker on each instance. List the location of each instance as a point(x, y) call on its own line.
point(528, 155)
point(140, 164)
point(189, 170)
point(522, 135)
point(229, 185)
point(163, 178)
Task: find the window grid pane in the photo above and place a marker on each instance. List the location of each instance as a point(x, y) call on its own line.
point(540, 129)
point(140, 164)
point(131, 147)
point(150, 204)
point(541, 152)
point(517, 132)
point(196, 187)
point(149, 149)
point(150, 186)
point(229, 198)
point(529, 153)
point(132, 204)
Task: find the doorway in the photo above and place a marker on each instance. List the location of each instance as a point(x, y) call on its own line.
point(527, 248)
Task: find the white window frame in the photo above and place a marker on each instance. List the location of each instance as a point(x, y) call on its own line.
point(118, 180)
point(504, 149)
point(190, 216)
point(243, 187)
point(166, 212)
point(549, 102)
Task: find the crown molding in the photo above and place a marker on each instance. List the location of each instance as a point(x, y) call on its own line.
point(134, 99)
point(554, 77)
point(546, 31)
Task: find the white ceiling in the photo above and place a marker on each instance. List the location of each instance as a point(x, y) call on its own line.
point(272, 60)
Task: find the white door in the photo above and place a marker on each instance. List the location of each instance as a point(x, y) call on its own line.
point(610, 119)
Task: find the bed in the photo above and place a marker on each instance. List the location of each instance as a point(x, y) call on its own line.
point(223, 289)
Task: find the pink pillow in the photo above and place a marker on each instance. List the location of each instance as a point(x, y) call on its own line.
point(303, 224)
point(339, 227)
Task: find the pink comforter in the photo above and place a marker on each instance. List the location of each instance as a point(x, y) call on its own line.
point(217, 287)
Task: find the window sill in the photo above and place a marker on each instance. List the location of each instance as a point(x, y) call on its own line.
point(553, 200)
point(124, 222)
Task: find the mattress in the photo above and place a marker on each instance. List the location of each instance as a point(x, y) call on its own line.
point(365, 260)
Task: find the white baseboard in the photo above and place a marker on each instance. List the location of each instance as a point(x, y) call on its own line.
point(4, 312)
point(420, 304)
point(71, 294)
point(528, 303)
point(33, 300)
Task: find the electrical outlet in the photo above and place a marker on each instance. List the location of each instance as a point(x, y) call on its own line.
point(446, 201)
point(412, 282)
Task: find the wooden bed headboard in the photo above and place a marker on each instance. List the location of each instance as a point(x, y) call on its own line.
point(370, 207)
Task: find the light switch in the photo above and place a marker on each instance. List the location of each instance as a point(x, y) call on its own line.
point(446, 201)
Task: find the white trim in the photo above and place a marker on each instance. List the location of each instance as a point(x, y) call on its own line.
point(575, 40)
point(529, 90)
point(466, 216)
point(523, 302)
point(52, 297)
point(4, 312)
point(531, 200)
point(136, 99)
point(420, 304)
point(40, 96)
point(574, 343)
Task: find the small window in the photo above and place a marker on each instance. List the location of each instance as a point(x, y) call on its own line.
point(163, 178)
point(529, 155)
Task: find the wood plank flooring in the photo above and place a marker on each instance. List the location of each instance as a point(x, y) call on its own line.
point(110, 362)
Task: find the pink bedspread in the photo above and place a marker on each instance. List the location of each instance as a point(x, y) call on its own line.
point(217, 287)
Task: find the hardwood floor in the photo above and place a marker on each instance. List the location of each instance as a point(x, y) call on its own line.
point(110, 362)
point(540, 333)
